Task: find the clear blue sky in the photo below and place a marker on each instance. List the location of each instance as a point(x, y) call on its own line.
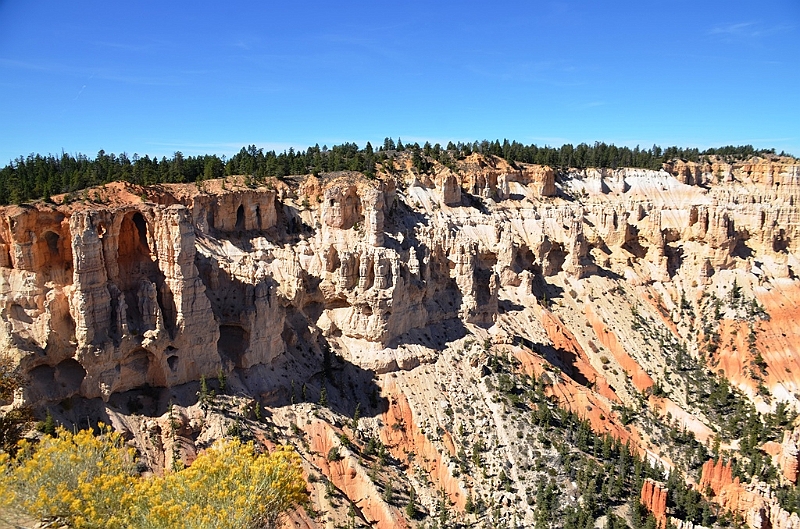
point(209, 77)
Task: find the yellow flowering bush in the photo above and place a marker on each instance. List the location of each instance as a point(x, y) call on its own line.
point(79, 477)
point(89, 481)
point(229, 486)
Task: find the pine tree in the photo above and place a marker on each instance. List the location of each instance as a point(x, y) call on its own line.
point(222, 379)
point(388, 493)
point(469, 506)
point(202, 395)
point(49, 427)
point(411, 507)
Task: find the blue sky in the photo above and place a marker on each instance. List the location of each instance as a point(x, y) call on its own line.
point(209, 77)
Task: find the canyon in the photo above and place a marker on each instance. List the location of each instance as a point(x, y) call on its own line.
point(393, 329)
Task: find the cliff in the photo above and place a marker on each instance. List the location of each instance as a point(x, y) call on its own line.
point(415, 298)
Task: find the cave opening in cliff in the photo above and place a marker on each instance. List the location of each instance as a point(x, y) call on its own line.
point(52, 242)
point(523, 259)
point(59, 382)
point(51, 250)
point(69, 376)
point(233, 341)
point(133, 247)
point(139, 368)
point(258, 217)
point(240, 218)
point(41, 380)
point(555, 260)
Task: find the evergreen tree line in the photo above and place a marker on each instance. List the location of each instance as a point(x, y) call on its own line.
point(39, 177)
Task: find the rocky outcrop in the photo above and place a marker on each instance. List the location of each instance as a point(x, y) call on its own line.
point(755, 502)
point(234, 211)
point(490, 177)
point(715, 476)
point(654, 499)
point(789, 456)
point(717, 170)
point(208, 277)
point(451, 189)
point(595, 284)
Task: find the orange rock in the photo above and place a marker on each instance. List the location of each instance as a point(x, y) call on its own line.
point(573, 357)
point(654, 499)
point(593, 406)
point(401, 436)
point(350, 477)
point(608, 338)
point(716, 476)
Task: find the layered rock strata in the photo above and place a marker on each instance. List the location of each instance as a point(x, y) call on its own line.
point(600, 284)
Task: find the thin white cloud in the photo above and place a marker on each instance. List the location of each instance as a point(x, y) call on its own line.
point(175, 79)
point(121, 46)
point(749, 30)
point(733, 29)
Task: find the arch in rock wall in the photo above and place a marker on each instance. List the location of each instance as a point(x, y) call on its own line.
point(137, 266)
point(524, 259)
point(140, 367)
point(69, 375)
point(134, 257)
point(51, 238)
point(18, 312)
point(487, 259)
point(232, 344)
point(240, 220)
point(56, 383)
point(483, 279)
point(172, 358)
point(141, 230)
point(780, 243)
point(55, 255)
point(554, 262)
point(172, 362)
point(210, 218)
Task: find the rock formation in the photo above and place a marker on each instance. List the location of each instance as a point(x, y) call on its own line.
point(789, 457)
point(654, 499)
point(758, 506)
point(413, 296)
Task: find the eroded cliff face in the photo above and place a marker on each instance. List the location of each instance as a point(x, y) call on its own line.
point(397, 294)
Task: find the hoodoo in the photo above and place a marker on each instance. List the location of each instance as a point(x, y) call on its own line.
point(477, 340)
